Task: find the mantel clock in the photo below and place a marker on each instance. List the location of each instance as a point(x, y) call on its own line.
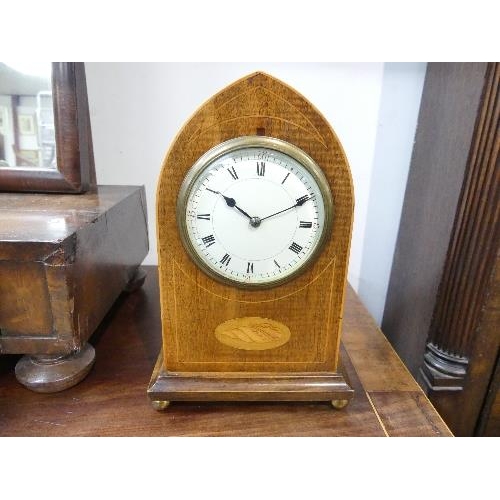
point(254, 219)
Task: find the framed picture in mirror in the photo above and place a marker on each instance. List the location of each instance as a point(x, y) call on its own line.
point(45, 134)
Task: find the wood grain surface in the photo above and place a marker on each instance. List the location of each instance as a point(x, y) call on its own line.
point(252, 334)
point(112, 400)
point(64, 259)
point(310, 306)
point(442, 307)
point(446, 122)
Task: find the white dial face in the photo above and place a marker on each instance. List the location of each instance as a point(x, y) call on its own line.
point(254, 216)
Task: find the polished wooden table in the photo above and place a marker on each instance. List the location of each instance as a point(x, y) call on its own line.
point(112, 400)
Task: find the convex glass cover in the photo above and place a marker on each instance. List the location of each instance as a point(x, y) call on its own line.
point(254, 211)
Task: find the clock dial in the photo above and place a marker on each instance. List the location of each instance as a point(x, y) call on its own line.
point(254, 211)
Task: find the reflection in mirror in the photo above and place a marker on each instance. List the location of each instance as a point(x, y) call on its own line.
point(27, 134)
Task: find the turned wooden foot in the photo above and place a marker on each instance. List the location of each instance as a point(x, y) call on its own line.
point(136, 281)
point(338, 404)
point(55, 373)
point(160, 405)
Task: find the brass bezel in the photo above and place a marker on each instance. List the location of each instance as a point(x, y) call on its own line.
point(252, 142)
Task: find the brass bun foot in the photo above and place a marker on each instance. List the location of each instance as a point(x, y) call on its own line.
point(160, 405)
point(136, 281)
point(338, 404)
point(55, 373)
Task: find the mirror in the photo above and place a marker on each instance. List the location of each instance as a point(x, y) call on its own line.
point(45, 136)
point(27, 134)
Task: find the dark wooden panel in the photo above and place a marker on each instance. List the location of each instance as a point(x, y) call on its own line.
point(462, 410)
point(444, 293)
point(20, 314)
point(474, 241)
point(472, 252)
point(450, 101)
point(64, 259)
point(38, 219)
point(113, 247)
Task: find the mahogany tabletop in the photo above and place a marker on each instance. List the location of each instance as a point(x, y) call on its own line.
point(112, 400)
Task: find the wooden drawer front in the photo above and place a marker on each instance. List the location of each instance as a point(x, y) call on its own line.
point(24, 299)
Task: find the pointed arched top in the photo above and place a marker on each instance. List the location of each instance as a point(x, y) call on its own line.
point(257, 104)
point(194, 304)
point(262, 95)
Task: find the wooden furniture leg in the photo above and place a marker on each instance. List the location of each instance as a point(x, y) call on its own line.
point(58, 372)
point(55, 373)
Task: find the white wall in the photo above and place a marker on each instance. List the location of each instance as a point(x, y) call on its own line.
point(397, 119)
point(137, 108)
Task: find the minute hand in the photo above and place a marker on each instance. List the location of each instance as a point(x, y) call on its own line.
point(300, 201)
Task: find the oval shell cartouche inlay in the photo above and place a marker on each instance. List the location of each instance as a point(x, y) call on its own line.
point(252, 333)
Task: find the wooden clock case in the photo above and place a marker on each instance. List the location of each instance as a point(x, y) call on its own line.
point(194, 364)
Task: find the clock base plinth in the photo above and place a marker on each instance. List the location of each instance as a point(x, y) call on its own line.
point(237, 386)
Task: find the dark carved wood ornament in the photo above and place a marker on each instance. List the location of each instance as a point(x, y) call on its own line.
point(443, 302)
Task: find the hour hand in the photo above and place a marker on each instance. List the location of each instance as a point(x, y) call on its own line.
point(231, 202)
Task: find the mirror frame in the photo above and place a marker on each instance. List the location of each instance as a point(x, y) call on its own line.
point(75, 171)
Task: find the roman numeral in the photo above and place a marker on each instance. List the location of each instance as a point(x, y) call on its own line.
point(286, 177)
point(226, 259)
point(302, 199)
point(203, 216)
point(250, 267)
point(261, 168)
point(305, 224)
point(208, 240)
point(295, 248)
point(233, 173)
point(277, 264)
